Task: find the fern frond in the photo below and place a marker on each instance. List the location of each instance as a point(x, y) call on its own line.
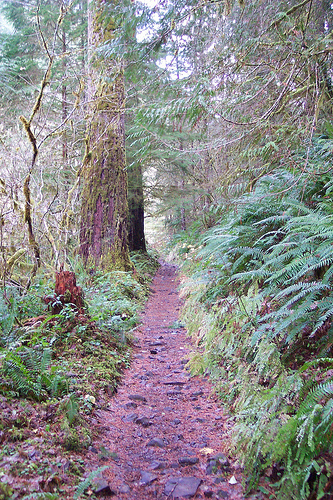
point(318, 393)
point(87, 482)
point(315, 363)
point(42, 496)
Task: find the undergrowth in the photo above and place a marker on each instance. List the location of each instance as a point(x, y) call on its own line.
point(259, 304)
point(57, 369)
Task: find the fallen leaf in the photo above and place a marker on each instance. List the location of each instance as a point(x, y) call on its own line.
point(206, 451)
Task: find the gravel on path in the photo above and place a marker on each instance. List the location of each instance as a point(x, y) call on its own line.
point(164, 434)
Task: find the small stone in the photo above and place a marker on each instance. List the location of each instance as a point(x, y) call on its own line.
point(188, 460)
point(124, 488)
point(137, 397)
point(198, 393)
point(153, 351)
point(155, 465)
point(176, 421)
point(129, 405)
point(232, 480)
point(222, 494)
point(174, 393)
point(220, 460)
point(147, 478)
point(144, 421)
point(130, 418)
point(170, 485)
point(101, 487)
point(157, 442)
point(208, 493)
point(183, 487)
point(211, 467)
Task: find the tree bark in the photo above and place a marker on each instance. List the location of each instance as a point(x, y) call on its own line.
point(64, 96)
point(136, 234)
point(67, 292)
point(104, 212)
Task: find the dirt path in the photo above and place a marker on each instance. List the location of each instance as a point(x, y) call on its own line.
point(164, 435)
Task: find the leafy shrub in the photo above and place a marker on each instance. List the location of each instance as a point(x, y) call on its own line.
point(259, 303)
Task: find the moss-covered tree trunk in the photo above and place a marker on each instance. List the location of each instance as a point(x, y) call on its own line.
point(136, 234)
point(103, 232)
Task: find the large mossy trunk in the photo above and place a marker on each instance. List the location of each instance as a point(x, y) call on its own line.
point(104, 210)
point(136, 234)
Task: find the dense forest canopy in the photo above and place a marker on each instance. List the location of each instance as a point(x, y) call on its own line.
point(215, 117)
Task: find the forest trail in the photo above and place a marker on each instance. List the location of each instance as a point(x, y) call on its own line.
point(163, 434)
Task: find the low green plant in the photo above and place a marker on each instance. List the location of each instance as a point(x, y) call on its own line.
point(87, 482)
point(41, 496)
point(6, 491)
point(30, 372)
point(258, 304)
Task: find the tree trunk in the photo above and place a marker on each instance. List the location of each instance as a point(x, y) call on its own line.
point(104, 212)
point(64, 96)
point(136, 234)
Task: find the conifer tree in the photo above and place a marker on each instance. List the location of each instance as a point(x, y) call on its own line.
point(103, 234)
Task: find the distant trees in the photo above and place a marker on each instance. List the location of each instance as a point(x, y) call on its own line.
point(255, 85)
point(32, 78)
point(218, 94)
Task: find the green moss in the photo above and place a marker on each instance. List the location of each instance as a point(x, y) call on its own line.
point(75, 438)
point(103, 23)
point(6, 491)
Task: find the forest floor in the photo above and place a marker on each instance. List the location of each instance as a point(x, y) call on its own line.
point(164, 434)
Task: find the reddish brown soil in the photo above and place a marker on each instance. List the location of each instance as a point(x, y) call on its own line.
point(179, 409)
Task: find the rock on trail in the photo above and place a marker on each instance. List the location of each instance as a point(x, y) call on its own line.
point(166, 435)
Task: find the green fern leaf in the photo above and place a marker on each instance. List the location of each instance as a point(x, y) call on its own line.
point(87, 482)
